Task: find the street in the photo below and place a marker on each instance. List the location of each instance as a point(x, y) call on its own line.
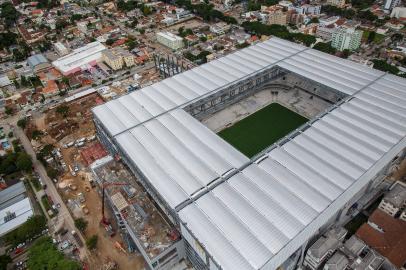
point(50, 190)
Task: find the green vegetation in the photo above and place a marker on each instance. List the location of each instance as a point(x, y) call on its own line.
point(34, 226)
point(354, 224)
point(8, 13)
point(372, 37)
point(277, 30)
point(45, 203)
point(200, 58)
point(364, 15)
point(261, 129)
point(44, 255)
point(4, 261)
point(206, 11)
point(324, 47)
point(63, 110)
point(91, 243)
point(7, 39)
point(384, 66)
point(36, 134)
point(15, 162)
point(81, 224)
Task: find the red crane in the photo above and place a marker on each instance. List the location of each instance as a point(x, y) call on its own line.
point(104, 220)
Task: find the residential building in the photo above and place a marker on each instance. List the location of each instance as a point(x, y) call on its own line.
point(395, 200)
point(346, 39)
point(323, 248)
point(337, 262)
point(170, 40)
point(276, 15)
point(326, 33)
point(387, 235)
point(38, 63)
point(398, 13)
point(390, 4)
point(117, 57)
point(60, 49)
point(15, 208)
point(337, 3)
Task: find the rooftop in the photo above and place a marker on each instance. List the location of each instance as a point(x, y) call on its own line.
point(79, 57)
point(12, 194)
point(387, 235)
point(14, 215)
point(397, 195)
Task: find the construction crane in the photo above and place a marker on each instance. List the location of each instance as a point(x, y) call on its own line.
point(104, 220)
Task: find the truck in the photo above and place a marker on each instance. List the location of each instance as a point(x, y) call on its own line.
point(77, 238)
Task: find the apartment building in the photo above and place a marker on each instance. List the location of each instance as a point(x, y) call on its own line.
point(117, 58)
point(323, 248)
point(391, 4)
point(395, 200)
point(337, 3)
point(275, 13)
point(170, 40)
point(346, 39)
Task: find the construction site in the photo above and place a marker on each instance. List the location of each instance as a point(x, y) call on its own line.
point(141, 225)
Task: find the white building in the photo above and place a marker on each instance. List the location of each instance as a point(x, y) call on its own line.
point(170, 40)
point(15, 208)
point(346, 39)
point(60, 49)
point(80, 59)
point(395, 200)
point(391, 4)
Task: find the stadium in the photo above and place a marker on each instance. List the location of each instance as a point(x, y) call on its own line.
point(257, 202)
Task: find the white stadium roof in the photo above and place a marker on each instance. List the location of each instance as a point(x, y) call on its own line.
point(263, 213)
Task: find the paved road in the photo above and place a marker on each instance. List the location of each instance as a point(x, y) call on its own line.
point(51, 189)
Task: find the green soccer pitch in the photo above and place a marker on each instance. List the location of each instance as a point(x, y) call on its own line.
point(262, 128)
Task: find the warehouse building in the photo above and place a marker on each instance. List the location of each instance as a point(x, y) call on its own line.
point(15, 208)
point(82, 58)
point(260, 213)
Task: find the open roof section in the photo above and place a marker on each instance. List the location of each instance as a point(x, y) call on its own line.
point(333, 159)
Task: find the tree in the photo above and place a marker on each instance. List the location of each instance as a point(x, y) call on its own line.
point(24, 162)
point(371, 36)
point(324, 47)
point(22, 123)
point(384, 66)
point(36, 134)
point(81, 224)
point(109, 41)
point(63, 110)
point(44, 255)
point(32, 227)
point(51, 172)
point(9, 111)
point(4, 261)
point(24, 81)
point(91, 243)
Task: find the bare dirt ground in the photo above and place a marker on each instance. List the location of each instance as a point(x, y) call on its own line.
point(60, 130)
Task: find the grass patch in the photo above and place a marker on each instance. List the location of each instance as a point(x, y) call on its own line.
point(262, 128)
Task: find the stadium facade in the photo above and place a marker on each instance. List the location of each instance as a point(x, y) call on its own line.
point(239, 213)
